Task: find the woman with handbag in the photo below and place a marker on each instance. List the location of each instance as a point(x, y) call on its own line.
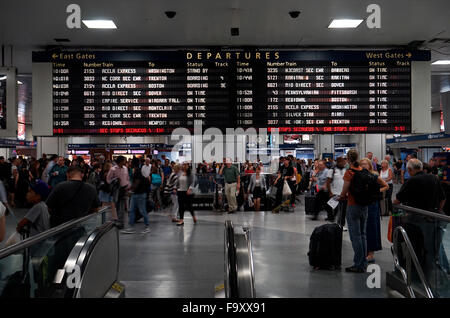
point(184, 191)
point(257, 187)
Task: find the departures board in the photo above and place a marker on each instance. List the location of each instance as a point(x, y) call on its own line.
point(154, 92)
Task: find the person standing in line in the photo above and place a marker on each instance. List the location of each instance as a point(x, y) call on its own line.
point(138, 201)
point(373, 226)
point(387, 175)
point(322, 196)
point(119, 180)
point(232, 183)
point(37, 219)
point(146, 168)
point(185, 185)
point(404, 171)
point(335, 183)
point(257, 187)
point(58, 173)
point(72, 199)
point(398, 171)
point(51, 163)
point(357, 210)
point(170, 192)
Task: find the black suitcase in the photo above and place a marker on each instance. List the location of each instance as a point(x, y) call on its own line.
point(310, 200)
point(325, 247)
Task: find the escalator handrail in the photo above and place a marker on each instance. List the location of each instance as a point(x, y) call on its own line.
point(49, 233)
point(245, 267)
point(81, 253)
point(441, 217)
point(231, 287)
point(412, 253)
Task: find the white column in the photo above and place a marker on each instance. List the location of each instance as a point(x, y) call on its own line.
point(375, 143)
point(323, 144)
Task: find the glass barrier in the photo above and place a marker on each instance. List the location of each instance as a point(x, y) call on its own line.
point(28, 271)
point(430, 238)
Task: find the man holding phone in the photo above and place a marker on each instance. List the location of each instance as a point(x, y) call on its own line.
point(58, 173)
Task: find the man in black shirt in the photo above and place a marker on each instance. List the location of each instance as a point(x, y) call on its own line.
point(421, 191)
point(72, 199)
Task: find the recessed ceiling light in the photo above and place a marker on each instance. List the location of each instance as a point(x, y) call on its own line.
point(19, 82)
point(100, 24)
point(441, 62)
point(3, 78)
point(344, 23)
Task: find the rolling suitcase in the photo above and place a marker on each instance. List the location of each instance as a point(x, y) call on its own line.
point(325, 247)
point(310, 200)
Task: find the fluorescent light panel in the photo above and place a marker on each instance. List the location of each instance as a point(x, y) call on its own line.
point(441, 62)
point(100, 24)
point(344, 23)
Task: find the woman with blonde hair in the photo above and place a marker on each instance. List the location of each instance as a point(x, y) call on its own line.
point(373, 226)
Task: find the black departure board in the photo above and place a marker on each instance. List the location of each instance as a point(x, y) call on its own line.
point(154, 92)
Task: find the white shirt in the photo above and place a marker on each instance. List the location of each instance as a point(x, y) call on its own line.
point(385, 175)
point(146, 170)
point(338, 181)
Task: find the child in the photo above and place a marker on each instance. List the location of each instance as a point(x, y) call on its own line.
point(37, 218)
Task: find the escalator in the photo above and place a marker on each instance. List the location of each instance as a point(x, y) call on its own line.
point(78, 259)
point(421, 245)
point(239, 274)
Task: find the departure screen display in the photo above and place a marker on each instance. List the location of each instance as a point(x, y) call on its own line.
point(154, 92)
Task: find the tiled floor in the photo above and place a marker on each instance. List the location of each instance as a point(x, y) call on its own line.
point(188, 261)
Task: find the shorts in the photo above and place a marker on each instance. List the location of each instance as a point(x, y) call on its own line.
point(104, 197)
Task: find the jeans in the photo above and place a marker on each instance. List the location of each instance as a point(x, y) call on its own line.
point(138, 202)
point(155, 195)
point(340, 212)
point(356, 223)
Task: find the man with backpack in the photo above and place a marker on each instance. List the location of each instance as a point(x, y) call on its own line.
point(363, 189)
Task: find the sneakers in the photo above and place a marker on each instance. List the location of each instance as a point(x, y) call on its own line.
point(129, 230)
point(146, 230)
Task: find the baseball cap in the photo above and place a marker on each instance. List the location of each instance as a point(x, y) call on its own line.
point(41, 188)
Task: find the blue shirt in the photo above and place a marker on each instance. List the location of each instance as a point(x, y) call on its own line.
point(406, 174)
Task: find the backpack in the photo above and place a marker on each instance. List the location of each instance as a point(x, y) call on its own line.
point(364, 187)
point(156, 179)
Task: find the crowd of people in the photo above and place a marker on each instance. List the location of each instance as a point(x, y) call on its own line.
point(57, 190)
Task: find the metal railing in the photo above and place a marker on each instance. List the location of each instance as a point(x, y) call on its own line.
point(410, 255)
point(239, 270)
point(416, 263)
point(50, 233)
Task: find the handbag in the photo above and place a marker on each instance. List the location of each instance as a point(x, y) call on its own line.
point(286, 189)
point(389, 233)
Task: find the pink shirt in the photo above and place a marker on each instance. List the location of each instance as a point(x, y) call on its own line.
point(122, 174)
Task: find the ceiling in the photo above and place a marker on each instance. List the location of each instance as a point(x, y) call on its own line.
point(27, 25)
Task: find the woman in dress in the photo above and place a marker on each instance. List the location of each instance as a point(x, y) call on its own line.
point(388, 176)
point(257, 187)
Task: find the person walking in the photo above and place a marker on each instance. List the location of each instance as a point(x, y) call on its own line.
point(138, 201)
point(184, 191)
point(257, 187)
point(232, 183)
point(170, 192)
